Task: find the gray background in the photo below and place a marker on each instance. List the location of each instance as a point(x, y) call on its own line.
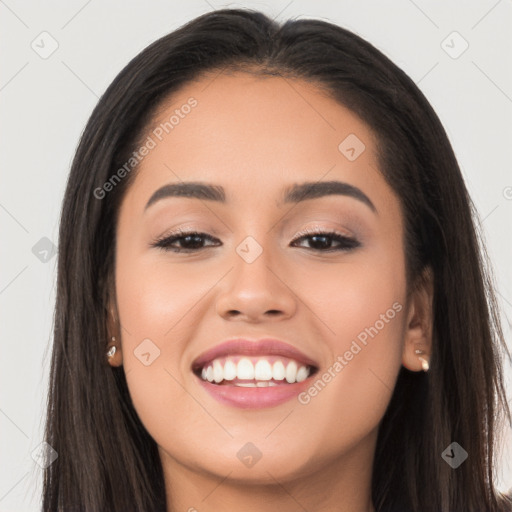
point(45, 103)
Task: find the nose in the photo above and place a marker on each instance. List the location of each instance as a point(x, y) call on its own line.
point(256, 292)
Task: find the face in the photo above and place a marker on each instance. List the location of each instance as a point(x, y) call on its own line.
point(257, 270)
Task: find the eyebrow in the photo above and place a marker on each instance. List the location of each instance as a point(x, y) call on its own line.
point(293, 194)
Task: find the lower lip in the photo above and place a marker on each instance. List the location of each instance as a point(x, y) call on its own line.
point(254, 398)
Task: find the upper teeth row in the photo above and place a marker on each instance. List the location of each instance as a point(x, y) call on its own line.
point(246, 370)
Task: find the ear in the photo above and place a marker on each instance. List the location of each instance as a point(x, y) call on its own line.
point(419, 326)
point(114, 335)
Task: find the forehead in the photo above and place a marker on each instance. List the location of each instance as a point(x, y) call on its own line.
point(248, 132)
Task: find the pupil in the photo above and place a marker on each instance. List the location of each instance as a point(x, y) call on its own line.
point(323, 237)
point(196, 238)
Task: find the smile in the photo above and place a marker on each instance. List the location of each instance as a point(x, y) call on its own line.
point(254, 374)
point(266, 371)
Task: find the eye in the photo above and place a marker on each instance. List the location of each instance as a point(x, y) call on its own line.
point(191, 241)
point(322, 240)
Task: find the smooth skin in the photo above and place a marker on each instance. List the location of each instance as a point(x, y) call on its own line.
point(254, 136)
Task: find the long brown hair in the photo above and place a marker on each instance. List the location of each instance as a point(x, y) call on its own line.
point(107, 460)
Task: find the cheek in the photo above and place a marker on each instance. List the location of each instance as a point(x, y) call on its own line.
point(362, 306)
point(350, 296)
point(154, 298)
point(153, 311)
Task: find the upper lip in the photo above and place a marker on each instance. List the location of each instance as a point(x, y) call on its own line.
point(261, 347)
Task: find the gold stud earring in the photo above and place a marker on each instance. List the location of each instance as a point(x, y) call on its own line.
point(112, 349)
point(424, 362)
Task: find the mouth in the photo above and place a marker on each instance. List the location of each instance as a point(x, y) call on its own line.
point(254, 374)
point(263, 371)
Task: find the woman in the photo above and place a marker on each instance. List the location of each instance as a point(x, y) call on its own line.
point(270, 288)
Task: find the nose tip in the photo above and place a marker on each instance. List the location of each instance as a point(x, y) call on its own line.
point(254, 292)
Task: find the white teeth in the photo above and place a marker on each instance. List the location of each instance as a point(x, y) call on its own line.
point(302, 374)
point(263, 372)
point(278, 370)
point(218, 371)
point(291, 372)
point(262, 384)
point(245, 369)
point(230, 370)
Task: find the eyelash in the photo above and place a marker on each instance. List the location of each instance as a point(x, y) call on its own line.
point(346, 242)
